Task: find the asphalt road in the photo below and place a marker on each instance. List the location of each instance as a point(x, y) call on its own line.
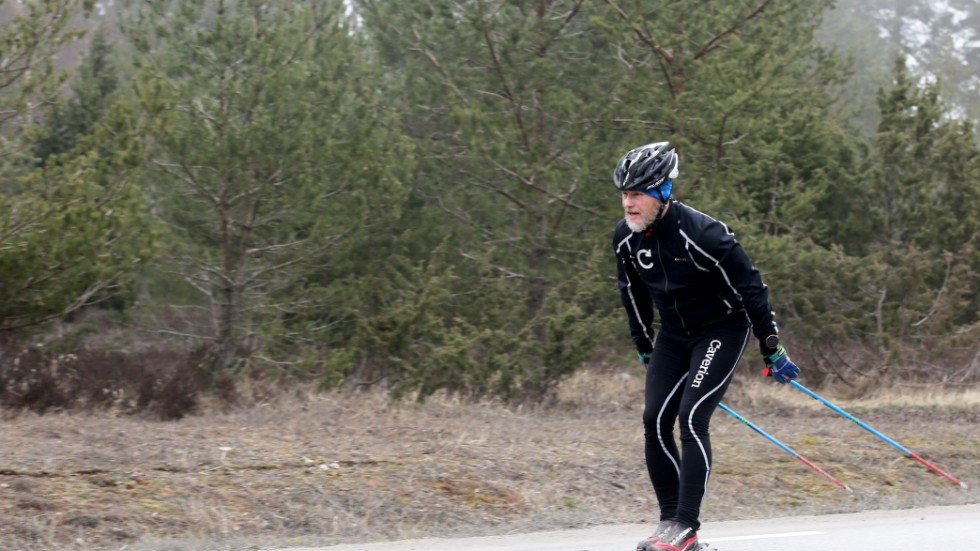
point(955, 528)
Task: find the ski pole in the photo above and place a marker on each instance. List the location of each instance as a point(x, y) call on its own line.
point(864, 426)
point(788, 449)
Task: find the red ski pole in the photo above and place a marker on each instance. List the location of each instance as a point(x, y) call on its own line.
point(864, 426)
point(786, 448)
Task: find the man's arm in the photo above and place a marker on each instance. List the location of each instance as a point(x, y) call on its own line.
point(635, 296)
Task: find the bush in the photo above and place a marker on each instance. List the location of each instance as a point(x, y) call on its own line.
point(162, 384)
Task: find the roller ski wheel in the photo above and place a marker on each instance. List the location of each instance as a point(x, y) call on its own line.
point(700, 546)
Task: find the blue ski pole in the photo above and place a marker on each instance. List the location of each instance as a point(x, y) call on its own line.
point(786, 448)
point(864, 426)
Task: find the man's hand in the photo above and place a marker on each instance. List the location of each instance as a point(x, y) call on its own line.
point(644, 358)
point(779, 366)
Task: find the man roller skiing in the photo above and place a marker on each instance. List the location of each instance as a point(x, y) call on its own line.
point(710, 300)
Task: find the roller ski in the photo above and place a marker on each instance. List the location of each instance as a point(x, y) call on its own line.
point(672, 536)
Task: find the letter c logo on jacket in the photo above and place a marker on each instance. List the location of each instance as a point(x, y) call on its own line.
point(645, 253)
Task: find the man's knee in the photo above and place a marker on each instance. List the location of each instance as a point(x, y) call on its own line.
point(694, 425)
point(655, 427)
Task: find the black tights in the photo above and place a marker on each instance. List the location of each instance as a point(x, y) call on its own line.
point(686, 380)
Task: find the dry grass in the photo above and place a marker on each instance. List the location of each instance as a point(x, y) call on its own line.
point(317, 469)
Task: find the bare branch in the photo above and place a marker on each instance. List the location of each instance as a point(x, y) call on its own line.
point(439, 68)
point(188, 176)
point(515, 105)
point(506, 271)
point(181, 334)
point(666, 54)
point(530, 183)
point(939, 293)
point(716, 40)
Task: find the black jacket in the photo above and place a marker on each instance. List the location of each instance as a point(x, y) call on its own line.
point(695, 272)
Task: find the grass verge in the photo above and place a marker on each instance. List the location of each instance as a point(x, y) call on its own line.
point(304, 468)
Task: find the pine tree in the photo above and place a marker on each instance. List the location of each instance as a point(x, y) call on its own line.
point(505, 103)
point(73, 231)
point(268, 150)
point(90, 96)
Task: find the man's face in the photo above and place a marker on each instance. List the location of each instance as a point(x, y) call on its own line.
point(640, 210)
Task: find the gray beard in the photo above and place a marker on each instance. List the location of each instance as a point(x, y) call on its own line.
point(642, 225)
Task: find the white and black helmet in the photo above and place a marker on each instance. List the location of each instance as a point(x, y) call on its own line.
point(646, 167)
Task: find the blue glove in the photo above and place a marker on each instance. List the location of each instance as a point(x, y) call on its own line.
point(779, 366)
point(644, 358)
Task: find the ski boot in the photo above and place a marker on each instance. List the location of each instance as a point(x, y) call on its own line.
point(676, 537)
point(648, 543)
